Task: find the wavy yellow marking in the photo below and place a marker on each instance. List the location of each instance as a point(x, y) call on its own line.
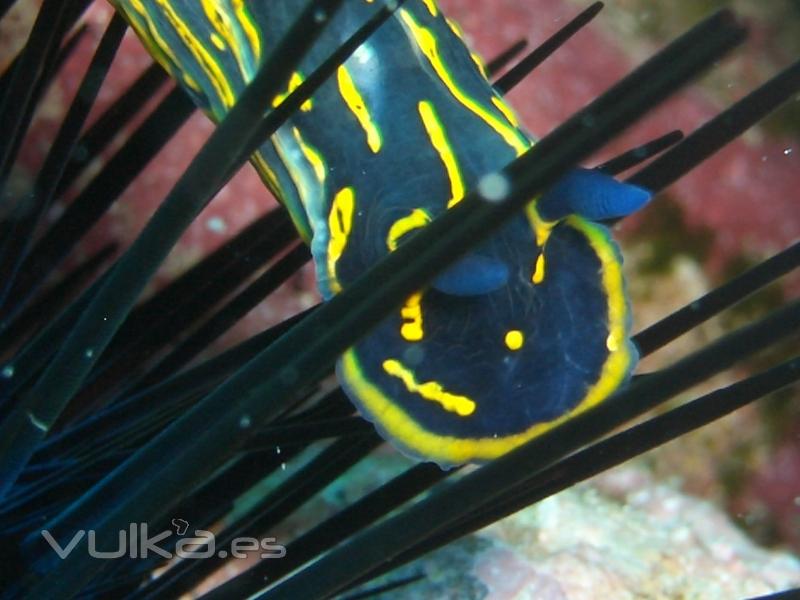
point(432, 8)
point(411, 312)
point(430, 390)
point(440, 143)
point(418, 218)
point(249, 27)
point(506, 110)
point(514, 339)
point(294, 82)
point(428, 45)
point(204, 58)
point(340, 223)
point(221, 21)
point(450, 450)
point(355, 102)
point(311, 154)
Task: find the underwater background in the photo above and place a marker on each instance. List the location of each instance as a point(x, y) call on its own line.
point(715, 513)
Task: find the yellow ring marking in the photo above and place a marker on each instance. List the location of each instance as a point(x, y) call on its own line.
point(439, 141)
point(355, 102)
point(430, 390)
point(428, 45)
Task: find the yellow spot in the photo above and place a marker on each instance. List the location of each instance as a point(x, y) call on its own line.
point(428, 45)
point(217, 41)
point(431, 7)
point(418, 218)
point(430, 390)
point(356, 104)
point(506, 110)
point(205, 60)
point(411, 312)
point(538, 272)
point(340, 222)
point(514, 339)
point(294, 82)
point(440, 143)
point(311, 154)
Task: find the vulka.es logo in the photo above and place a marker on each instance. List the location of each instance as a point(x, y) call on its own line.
point(136, 542)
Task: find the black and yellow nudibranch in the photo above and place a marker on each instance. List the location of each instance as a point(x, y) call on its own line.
point(529, 328)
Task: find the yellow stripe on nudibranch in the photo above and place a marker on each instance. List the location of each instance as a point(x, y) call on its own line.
point(294, 82)
point(355, 102)
point(148, 31)
point(411, 313)
point(619, 360)
point(427, 44)
point(506, 110)
point(218, 42)
point(311, 154)
point(542, 230)
point(204, 58)
point(340, 223)
point(430, 390)
point(439, 141)
point(225, 30)
point(432, 8)
point(250, 30)
point(538, 270)
point(418, 218)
